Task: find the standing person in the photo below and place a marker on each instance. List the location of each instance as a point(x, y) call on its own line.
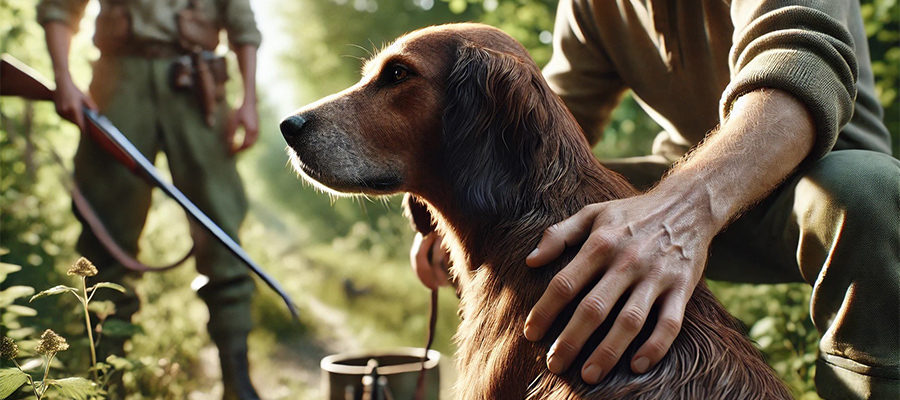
point(777, 100)
point(159, 82)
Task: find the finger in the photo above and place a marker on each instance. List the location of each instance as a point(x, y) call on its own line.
point(626, 327)
point(419, 259)
point(569, 232)
point(583, 269)
point(439, 262)
point(668, 326)
point(250, 137)
point(231, 125)
point(89, 102)
point(589, 315)
point(77, 117)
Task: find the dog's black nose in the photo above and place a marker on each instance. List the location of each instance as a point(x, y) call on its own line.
point(292, 126)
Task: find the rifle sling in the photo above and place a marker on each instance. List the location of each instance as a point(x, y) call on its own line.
point(90, 217)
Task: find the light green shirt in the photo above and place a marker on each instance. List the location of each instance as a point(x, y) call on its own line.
point(156, 20)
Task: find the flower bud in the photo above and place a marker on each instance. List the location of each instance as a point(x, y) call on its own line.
point(82, 267)
point(51, 343)
point(9, 350)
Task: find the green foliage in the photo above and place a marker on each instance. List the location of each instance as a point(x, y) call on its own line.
point(59, 289)
point(11, 379)
point(74, 388)
point(882, 20)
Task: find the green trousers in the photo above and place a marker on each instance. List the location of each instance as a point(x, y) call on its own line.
point(835, 225)
point(134, 93)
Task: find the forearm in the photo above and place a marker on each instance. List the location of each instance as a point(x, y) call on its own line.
point(246, 56)
point(59, 39)
point(767, 135)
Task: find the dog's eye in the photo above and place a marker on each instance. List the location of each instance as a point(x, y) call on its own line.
point(398, 74)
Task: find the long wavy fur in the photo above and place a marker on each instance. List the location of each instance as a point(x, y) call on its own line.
point(517, 162)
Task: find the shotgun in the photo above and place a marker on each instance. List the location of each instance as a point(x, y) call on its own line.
point(19, 80)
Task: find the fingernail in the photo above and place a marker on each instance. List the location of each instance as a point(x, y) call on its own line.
point(591, 373)
point(555, 364)
point(641, 365)
point(533, 253)
point(532, 333)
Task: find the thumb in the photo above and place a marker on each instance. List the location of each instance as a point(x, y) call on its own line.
point(569, 232)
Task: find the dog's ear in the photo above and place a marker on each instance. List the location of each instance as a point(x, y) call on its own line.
point(415, 209)
point(493, 122)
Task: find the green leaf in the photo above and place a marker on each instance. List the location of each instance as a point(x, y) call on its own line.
point(74, 388)
point(11, 379)
point(6, 269)
point(21, 311)
point(12, 293)
point(106, 285)
point(120, 363)
point(120, 329)
point(103, 308)
point(54, 291)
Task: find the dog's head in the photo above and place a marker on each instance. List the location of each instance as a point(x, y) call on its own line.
point(454, 110)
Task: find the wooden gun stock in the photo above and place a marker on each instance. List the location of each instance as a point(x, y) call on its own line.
point(19, 80)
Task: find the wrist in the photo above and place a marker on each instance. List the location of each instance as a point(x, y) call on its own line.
point(689, 198)
point(63, 78)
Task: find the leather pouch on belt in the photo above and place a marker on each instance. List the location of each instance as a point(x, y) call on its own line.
point(113, 28)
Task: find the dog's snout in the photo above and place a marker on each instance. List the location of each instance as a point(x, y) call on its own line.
point(292, 126)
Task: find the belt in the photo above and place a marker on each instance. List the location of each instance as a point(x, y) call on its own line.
point(157, 50)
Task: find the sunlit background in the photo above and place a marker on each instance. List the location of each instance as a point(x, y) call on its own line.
point(343, 260)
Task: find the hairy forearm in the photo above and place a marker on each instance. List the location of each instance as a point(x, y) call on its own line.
point(768, 134)
point(246, 56)
point(59, 39)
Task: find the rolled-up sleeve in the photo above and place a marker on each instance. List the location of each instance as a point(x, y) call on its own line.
point(240, 23)
point(68, 12)
point(580, 71)
point(806, 51)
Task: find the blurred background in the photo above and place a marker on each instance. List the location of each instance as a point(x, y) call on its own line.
point(343, 260)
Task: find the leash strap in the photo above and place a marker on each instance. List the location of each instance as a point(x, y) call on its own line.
point(432, 323)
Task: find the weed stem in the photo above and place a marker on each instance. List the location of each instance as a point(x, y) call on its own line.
point(87, 325)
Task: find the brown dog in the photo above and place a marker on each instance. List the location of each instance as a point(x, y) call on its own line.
point(460, 117)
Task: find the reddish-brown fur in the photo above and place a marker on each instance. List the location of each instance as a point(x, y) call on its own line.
point(486, 150)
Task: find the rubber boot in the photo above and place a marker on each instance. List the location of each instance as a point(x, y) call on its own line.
point(235, 368)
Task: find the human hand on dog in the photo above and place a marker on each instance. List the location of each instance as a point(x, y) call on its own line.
point(655, 245)
point(429, 259)
point(650, 248)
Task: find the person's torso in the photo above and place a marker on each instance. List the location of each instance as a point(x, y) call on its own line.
point(674, 55)
point(157, 20)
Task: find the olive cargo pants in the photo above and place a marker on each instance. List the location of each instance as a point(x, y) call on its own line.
point(134, 93)
point(835, 225)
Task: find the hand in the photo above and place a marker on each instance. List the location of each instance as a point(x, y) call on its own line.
point(70, 101)
point(429, 260)
point(247, 117)
point(654, 246)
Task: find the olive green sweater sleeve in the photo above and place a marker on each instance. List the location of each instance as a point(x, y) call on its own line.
point(805, 50)
point(580, 71)
point(68, 12)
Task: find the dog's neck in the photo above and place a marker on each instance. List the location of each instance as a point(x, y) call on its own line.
point(488, 254)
